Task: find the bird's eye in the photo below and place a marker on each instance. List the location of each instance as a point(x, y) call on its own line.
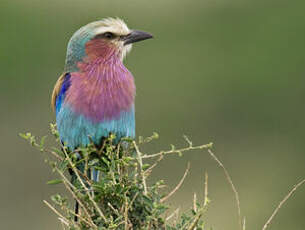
point(109, 35)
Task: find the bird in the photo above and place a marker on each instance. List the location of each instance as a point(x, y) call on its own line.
point(95, 95)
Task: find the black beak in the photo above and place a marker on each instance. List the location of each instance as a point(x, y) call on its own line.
point(136, 36)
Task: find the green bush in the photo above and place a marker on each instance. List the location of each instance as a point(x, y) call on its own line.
point(121, 198)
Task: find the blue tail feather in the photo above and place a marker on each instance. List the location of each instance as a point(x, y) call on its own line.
point(95, 175)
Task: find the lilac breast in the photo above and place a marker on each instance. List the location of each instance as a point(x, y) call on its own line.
point(101, 90)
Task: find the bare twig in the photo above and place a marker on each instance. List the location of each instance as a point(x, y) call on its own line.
point(176, 216)
point(195, 221)
point(71, 189)
point(66, 221)
point(126, 220)
point(206, 199)
point(173, 214)
point(200, 212)
point(195, 207)
point(178, 185)
point(244, 223)
point(113, 209)
point(188, 140)
point(89, 221)
point(131, 202)
point(295, 187)
point(195, 203)
point(81, 218)
point(148, 171)
point(232, 186)
point(54, 154)
point(63, 222)
point(141, 167)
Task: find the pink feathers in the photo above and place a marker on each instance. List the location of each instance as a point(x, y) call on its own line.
point(103, 87)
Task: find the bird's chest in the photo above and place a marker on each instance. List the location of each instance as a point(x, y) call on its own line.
point(96, 107)
point(100, 96)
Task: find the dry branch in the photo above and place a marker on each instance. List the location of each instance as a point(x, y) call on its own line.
point(291, 192)
point(232, 186)
point(178, 185)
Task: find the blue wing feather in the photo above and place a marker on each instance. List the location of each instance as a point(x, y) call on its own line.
point(61, 95)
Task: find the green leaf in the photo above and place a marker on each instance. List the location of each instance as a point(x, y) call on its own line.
point(128, 159)
point(58, 151)
point(42, 141)
point(56, 181)
point(155, 135)
point(62, 166)
point(24, 136)
point(93, 162)
point(145, 166)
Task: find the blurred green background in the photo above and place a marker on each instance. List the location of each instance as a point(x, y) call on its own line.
point(227, 71)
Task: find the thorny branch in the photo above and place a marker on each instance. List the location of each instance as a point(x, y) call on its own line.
point(173, 150)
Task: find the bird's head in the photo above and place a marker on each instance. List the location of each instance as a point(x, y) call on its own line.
point(101, 39)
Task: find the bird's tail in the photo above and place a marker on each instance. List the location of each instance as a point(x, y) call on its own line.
point(76, 207)
point(76, 210)
point(94, 175)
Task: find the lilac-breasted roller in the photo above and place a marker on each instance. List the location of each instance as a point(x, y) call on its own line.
point(95, 94)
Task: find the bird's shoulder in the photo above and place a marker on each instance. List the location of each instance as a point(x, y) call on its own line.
point(60, 87)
